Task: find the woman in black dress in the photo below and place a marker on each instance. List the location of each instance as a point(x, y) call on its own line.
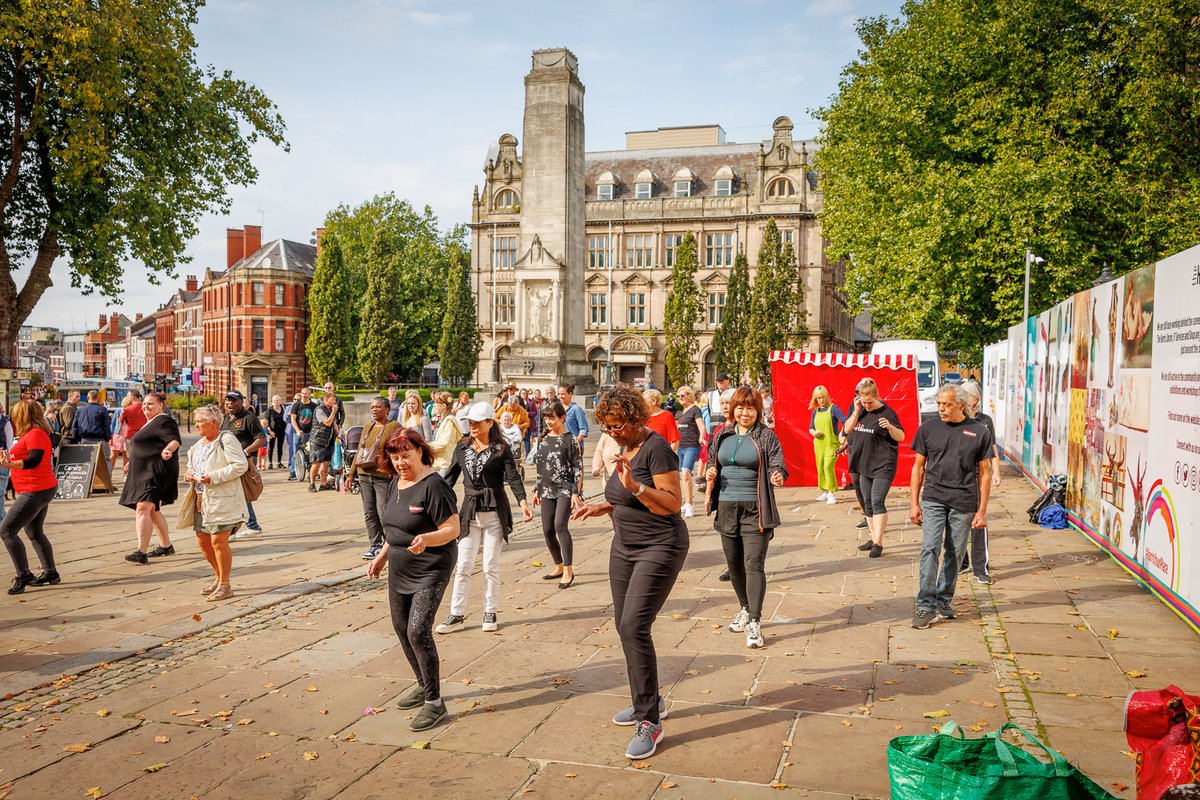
point(152, 478)
point(420, 529)
point(648, 549)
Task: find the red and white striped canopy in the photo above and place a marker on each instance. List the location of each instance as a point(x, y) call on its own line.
point(860, 360)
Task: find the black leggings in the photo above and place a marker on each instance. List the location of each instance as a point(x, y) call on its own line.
point(745, 546)
point(412, 619)
point(872, 493)
point(641, 579)
point(28, 512)
point(556, 514)
point(275, 447)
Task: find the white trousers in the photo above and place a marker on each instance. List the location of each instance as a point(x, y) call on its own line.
point(486, 528)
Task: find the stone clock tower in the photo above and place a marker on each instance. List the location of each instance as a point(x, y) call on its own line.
point(549, 270)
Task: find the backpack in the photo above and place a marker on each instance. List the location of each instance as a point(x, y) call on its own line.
point(1055, 494)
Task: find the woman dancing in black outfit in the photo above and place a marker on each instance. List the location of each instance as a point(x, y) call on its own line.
point(650, 544)
point(420, 529)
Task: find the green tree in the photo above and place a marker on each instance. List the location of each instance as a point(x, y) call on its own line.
point(771, 303)
point(729, 342)
point(458, 349)
point(331, 340)
point(381, 334)
point(113, 142)
point(798, 319)
point(966, 132)
point(683, 314)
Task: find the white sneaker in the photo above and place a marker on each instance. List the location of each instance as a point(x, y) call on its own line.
point(754, 637)
point(247, 533)
point(739, 622)
point(831, 499)
point(687, 510)
point(822, 496)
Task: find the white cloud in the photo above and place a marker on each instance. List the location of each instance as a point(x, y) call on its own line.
point(432, 19)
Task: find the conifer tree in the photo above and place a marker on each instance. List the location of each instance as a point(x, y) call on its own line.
point(771, 309)
point(380, 336)
point(729, 342)
point(330, 344)
point(458, 349)
point(683, 314)
point(798, 322)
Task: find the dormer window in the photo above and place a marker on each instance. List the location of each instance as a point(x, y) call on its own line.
point(606, 186)
point(507, 200)
point(723, 181)
point(781, 187)
point(685, 182)
point(643, 188)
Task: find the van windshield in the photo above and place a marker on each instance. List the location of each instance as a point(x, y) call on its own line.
point(926, 374)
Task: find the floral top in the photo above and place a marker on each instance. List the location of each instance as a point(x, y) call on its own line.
point(559, 467)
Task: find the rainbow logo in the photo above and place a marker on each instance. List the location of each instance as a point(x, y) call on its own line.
point(1160, 503)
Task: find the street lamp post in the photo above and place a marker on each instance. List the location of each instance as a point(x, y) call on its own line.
point(1030, 258)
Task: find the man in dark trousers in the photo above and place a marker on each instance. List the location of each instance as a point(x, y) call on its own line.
point(950, 488)
point(244, 425)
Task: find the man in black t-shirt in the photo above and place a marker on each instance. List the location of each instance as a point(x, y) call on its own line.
point(301, 416)
point(321, 441)
point(950, 488)
point(244, 425)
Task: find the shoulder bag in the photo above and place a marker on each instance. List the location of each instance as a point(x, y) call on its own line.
point(252, 483)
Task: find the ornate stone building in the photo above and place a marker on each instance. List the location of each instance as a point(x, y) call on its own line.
point(638, 204)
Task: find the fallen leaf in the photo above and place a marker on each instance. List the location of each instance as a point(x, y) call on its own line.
point(892, 682)
point(1113, 633)
point(94, 792)
point(419, 745)
point(311, 755)
point(246, 721)
point(897, 727)
point(1120, 787)
point(1081, 627)
point(847, 723)
point(538, 564)
point(987, 704)
point(692, 672)
point(183, 713)
point(154, 768)
point(570, 775)
point(642, 765)
point(679, 616)
point(975, 728)
point(959, 671)
point(312, 687)
point(104, 712)
point(262, 756)
point(941, 712)
point(349, 737)
point(162, 739)
point(922, 666)
point(787, 742)
point(196, 617)
point(77, 748)
point(962, 662)
point(779, 786)
point(1003, 689)
point(1135, 673)
point(669, 785)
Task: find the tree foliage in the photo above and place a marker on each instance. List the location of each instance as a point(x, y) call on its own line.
point(968, 131)
point(113, 142)
point(381, 330)
point(409, 246)
point(729, 342)
point(458, 349)
point(772, 300)
point(683, 314)
point(331, 340)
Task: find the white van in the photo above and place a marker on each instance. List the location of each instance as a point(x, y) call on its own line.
point(929, 376)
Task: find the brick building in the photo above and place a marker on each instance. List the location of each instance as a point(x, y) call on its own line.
point(95, 344)
point(255, 315)
point(174, 343)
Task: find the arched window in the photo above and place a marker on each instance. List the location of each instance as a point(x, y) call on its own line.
point(507, 199)
point(781, 187)
point(709, 376)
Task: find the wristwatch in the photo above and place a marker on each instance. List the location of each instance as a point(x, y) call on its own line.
point(641, 488)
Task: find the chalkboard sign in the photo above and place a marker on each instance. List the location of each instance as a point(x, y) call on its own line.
point(80, 469)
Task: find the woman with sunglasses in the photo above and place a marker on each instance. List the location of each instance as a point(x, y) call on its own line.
point(648, 549)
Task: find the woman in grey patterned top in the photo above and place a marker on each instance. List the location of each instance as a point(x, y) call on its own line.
point(558, 489)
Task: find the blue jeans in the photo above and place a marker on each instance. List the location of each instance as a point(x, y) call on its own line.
point(251, 523)
point(291, 449)
point(939, 519)
point(4, 475)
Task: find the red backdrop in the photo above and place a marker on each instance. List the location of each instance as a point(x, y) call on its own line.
point(794, 375)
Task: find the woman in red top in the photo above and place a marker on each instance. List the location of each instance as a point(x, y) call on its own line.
point(661, 421)
point(34, 483)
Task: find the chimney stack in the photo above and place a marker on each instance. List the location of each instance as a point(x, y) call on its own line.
point(319, 234)
point(234, 248)
point(252, 240)
point(138, 317)
point(192, 284)
point(103, 321)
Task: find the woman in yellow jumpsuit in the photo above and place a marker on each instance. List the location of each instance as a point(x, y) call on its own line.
point(825, 425)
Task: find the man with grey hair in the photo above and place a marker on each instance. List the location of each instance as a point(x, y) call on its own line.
point(950, 488)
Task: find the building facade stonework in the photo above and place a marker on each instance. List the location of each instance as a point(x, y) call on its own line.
point(638, 203)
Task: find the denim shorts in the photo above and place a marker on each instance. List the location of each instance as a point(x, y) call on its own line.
point(687, 458)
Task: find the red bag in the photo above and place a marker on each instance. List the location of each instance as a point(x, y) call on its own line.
point(1163, 729)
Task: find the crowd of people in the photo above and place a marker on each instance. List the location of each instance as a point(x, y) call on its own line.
point(411, 455)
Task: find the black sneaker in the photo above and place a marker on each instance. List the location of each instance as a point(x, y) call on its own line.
point(946, 611)
point(489, 621)
point(923, 619)
point(137, 557)
point(876, 551)
point(292, 478)
point(986, 580)
point(312, 487)
point(862, 523)
point(169, 550)
point(49, 577)
point(724, 576)
point(867, 545)
point(449, 623)
point(20, 582)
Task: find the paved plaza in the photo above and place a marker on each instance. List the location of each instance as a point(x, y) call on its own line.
point(123, 682)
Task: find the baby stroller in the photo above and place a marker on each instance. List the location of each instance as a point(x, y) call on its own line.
point(349, 442)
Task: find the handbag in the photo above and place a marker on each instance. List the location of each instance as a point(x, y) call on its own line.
point(942, 765)
point(367, 454)
point(1163, 729)
point(187, 511)
point(252, 483)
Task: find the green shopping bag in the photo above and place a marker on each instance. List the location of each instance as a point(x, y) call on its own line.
point(943, 766)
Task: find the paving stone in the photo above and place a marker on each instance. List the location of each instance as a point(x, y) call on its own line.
point(438, 775)
point(501, 720)
point(1051, 639)
point(939, 645)
point(913, 692)
point(685, 788)
point(287, 774)
point(33, 747)
point(605, 672)
point(1092, 676)
point(813, 697)
point(533, 663)
point(1100, 754)
point(860, 767)
point(1061, 711)
point(571, 781)
point(299, 712)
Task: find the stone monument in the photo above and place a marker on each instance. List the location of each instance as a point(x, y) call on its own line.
point(549, 294)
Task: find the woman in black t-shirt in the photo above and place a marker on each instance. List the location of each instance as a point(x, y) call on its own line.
point(558, 491)
point(874, 433)
point(648, 549)
point(420, 528)
point(692, 434)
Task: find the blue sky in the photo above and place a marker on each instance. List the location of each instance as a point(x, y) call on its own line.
point(406, 96)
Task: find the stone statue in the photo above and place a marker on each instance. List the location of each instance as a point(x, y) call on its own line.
point(540, 313)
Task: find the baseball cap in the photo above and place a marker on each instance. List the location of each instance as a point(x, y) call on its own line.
point(480, 411)
point(234, 394)
point(722, 376)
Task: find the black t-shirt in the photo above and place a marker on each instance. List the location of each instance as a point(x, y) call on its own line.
point(322, 434)
point(987, 423)
point(420, 508)
point(634, 524)
point(689, 434)
point(304, 414)
point(873, 451)
point(952, 453)
point(245, 427)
